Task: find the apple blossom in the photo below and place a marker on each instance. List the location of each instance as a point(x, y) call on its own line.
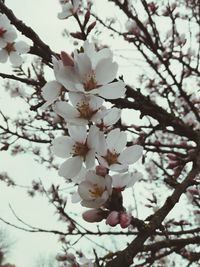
point(77, 148)
point(112, 152)
point(13, 51)
point(95, 190)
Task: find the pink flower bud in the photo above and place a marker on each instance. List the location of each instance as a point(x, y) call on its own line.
point(94, 215)
point(125, 219)
point(66, 59)
point(101, 170)
point(113, 218)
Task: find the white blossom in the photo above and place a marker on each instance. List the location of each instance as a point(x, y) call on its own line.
point(50, 92)
point(7, 32)
point(69, 8)
point(122, 181)
point(113, 153)
point(78, 147)
point(84, 108)
point(13, 51)
point(95, 190)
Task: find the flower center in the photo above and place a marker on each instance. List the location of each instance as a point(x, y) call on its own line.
point(91, 82)
point(111, 158)
point(85, 111)
point(80, 150)
point(96, 191)
point(10, 48)
point(2, 31)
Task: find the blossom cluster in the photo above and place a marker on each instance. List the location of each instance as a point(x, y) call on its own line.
point(9, 47)
point(96, 154)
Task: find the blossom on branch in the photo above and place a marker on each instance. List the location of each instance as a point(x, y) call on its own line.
point(95, 190)
point(13, 51)
point(113, 153)
point(69, 8)
point(92, 73)
point(77, 148)
point(7, 32)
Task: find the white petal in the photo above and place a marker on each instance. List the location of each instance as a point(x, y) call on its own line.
point(84, 190)
point(75, 197)
point(84, 65)
point(101, 147)
point(78, 133)
point(65, 110)
point(112, 116)
point(3, 56)
point(106, 71)
point(71, 167)
point(112, 90)
point(90, 159)
point(16, 59)
point(51, 90)
point(3, 43)
point(10, 36)
point(131, 154)
point(92, 136)
point(116, 140)
point(22, 47)
point(62, 146)
point(75, 98)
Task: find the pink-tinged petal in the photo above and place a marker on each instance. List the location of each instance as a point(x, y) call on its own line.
point(71, 167)
point(3, 56)
point(78, 133)
point(94, 215)
point(83, 65)
point(10, 36)
point(16, 59)
point(66, 59)
point(65, 110)
point(112, 116)
point(62, 146)
point(106, 71)
point(113, 218)
point(51, 91)
point(90, 159)
point(22, 47)
point(108, 183)
point(97, 203)
point(125, 219)
point(131, 154)
point(112, 90)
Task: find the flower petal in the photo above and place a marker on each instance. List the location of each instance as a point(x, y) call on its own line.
point(106, 71)
point(62, 146)
point(71, 167)
point(78, 133)
point(3, 56)
point(131, 154)
point(112, 90)
point(22, 47)
point(50, 91)
point(65, 110)
point(16, 59)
